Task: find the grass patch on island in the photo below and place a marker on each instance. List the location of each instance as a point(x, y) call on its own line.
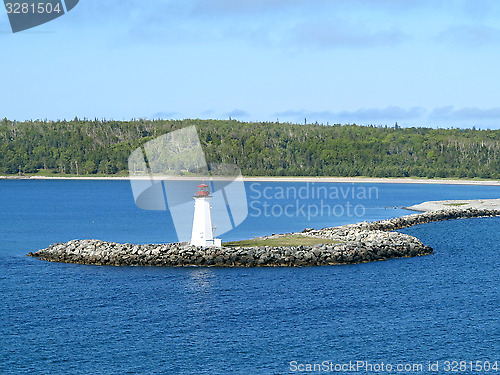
point(455, 204)
point(284, 240)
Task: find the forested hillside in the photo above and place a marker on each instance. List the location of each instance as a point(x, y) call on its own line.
point(259, 149)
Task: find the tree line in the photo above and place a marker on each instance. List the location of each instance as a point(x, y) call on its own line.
point(90, 147)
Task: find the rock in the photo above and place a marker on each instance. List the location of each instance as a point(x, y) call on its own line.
point(358, 243)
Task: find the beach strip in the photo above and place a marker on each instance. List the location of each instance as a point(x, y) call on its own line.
point(355, 180)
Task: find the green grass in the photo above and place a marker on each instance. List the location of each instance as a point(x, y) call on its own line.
point(455, 204)
point(285, 240)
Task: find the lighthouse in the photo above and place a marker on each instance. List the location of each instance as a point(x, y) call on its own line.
point(202, 234)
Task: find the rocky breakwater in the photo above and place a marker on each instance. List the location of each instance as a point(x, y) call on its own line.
point(353, 232)
point(377, 247)
point(354, 243)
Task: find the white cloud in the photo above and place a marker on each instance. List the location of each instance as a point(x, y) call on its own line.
point(341, 35)
point(446, 116)
point(467, 114)
point(363, 115)
point(237, 113)
point(165, 115)
point(470, 35)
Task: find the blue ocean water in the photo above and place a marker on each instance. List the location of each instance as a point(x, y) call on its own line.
point(75, 319)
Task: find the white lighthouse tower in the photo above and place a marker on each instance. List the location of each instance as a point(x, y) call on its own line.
point(203, 232)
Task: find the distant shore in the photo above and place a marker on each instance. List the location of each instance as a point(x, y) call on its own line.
point(373, 180)
point(376, 180)
point(478, 204)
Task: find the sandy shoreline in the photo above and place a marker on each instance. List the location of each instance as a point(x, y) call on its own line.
point(478, 204)
point(368, 180)
point(375, 180)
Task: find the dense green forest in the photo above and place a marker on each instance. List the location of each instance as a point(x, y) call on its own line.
point(87, 147)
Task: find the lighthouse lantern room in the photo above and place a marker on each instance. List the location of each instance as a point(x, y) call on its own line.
point(202, 234)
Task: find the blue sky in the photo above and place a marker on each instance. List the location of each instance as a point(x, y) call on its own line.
point(420, 63)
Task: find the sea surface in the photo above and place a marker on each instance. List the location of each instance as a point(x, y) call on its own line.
point(77, 319)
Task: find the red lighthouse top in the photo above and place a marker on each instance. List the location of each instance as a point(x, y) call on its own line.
point(202, 190)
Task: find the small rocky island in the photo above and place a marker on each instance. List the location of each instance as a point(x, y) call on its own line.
point(347, 244)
